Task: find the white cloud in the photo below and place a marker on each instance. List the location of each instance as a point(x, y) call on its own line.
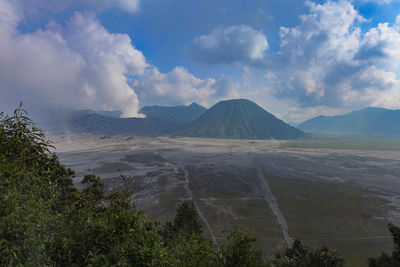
point(381, 46)
point(379, 88)
point(235, 44)
point(317, 53)
point(326, 61)
point(180, 87)
point(128, 5)
point(79, 65)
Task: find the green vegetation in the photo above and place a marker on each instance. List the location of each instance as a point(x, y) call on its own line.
point(34, 189)
point(385, 260)
point(240, 119)
point(241, 251)
point(46, 221)
point(302, 256)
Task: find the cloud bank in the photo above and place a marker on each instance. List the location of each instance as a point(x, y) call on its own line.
point(235, 44)
point(77, 65)
point(81, 65)
point(326, 61)
point(179, 87)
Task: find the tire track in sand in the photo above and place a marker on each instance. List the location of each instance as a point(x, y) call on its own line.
point(273, 204)
point(201, 215)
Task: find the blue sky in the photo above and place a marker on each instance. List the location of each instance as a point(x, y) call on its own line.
point(297, 59)
point(165, 30)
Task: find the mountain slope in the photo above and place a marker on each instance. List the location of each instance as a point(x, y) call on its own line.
point(368, 121)
point(114, 113)
point(385, 124)
point(99, 124)
point(175, 114)
point(241, 119)
point(159, 121)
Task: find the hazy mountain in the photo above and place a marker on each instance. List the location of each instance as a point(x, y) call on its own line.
point(386, 124)
point(242, 119)
point(368, 121)
point(159, 121)
point(99, 124)
point(175, 114)
point(113, 113)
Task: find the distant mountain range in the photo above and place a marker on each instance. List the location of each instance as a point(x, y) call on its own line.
point(237, 119)
point(176, 114)
point(159, 120)
point(99, 124)
point(240, 119)
point(367, 122)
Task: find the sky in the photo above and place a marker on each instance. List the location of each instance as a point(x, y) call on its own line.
point(296, 59)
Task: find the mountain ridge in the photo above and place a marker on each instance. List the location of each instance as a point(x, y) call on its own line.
point(239, 119)
point(231, 119)
point(370, 121)
point(174, 114)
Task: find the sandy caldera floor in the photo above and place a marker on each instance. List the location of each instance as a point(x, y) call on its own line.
point(339, 198)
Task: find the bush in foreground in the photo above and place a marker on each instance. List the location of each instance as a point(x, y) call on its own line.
point(386, 260)
point(300, 255)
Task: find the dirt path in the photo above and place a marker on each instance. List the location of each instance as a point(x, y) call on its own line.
point(201, 215)
point(273, 204)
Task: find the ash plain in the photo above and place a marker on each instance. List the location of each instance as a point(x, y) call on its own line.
point(340, 198)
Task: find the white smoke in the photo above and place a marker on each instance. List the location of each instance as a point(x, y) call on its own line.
point(79, 65)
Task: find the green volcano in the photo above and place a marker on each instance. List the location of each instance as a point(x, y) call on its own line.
point(240, 119)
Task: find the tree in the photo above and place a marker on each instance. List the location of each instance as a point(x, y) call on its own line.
point(300, 255)
point(34, 187)
point(184, 239)
point(385, 260)
point(101, 229)
point(44, 220)
point(187, 220)
point(241, 251)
